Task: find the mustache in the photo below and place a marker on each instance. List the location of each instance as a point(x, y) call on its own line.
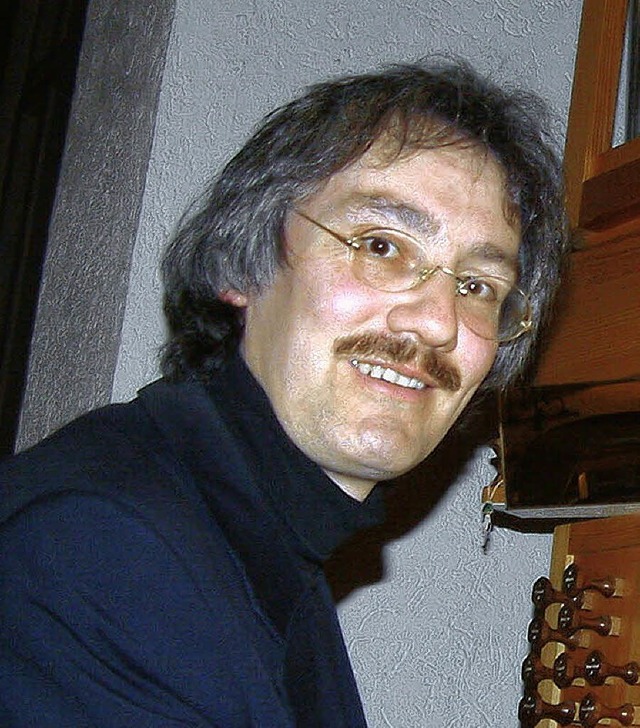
point(399, 350)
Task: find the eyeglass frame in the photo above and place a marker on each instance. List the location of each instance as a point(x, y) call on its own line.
point(525, 324)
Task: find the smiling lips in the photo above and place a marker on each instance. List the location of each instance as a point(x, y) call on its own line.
point(373, 355)
point(375, 371)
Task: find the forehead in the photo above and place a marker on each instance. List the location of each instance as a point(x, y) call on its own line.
point(457, 192)
point(472, 164)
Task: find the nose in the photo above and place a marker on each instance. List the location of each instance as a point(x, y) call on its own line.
point(427, 311)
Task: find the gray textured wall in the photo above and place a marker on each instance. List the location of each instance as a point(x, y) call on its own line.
point(438, 640)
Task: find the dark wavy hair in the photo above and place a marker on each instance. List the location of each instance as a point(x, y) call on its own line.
point(232, 237)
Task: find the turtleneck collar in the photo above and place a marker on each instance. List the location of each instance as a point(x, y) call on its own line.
point(318, 513)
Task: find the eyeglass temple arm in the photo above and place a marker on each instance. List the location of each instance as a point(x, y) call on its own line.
point(345, 241)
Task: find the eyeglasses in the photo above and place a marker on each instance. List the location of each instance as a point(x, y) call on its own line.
point(389, 260)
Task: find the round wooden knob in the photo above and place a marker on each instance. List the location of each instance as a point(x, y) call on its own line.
point(533, 709)
point(533, 671)
point(563, 672)
point(594, 670)
point(543, 594)
point(571, 578)
point(570, 621)
point(539, 633)
point(591, 712)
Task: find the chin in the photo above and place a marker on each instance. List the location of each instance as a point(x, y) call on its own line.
point(381, 465)
point(389, 452)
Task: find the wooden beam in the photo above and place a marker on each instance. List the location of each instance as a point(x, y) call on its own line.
point(594, 94)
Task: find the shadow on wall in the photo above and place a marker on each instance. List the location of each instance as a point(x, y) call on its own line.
point(409, 500)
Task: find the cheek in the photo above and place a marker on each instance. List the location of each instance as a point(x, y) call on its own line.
point(342, 302)
point(326, 308)
point(477, 357)
point(347, 305)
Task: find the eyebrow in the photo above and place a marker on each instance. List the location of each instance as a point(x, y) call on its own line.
point(494, 254)
point(425, 223)
point(399, 213)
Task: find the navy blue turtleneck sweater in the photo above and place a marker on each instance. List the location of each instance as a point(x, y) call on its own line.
point(161, 565)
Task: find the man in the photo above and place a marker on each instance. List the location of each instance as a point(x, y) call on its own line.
point(379, 251)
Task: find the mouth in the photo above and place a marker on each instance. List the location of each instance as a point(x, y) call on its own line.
point(387, 374)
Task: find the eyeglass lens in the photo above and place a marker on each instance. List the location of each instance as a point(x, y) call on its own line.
point(489, 305)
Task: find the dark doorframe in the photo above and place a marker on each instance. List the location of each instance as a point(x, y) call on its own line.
point(40, 42)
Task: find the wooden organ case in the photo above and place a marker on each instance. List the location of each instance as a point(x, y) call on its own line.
point(583, 667)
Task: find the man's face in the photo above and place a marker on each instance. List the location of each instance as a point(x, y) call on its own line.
point(315, 337)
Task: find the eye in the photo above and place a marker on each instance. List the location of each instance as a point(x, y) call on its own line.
point(378, 245)
point(487, 290)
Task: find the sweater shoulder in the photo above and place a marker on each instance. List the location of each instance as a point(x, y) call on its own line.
point(117, 451)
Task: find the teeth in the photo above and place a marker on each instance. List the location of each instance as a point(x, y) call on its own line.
point(377, 372)
point(387, 374)
point(390, 376)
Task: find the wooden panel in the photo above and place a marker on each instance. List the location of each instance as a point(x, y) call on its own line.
point(597, 335)
point(617, 157)
point(612, 196)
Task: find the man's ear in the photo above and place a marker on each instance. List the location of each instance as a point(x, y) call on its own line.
point(234, 297)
